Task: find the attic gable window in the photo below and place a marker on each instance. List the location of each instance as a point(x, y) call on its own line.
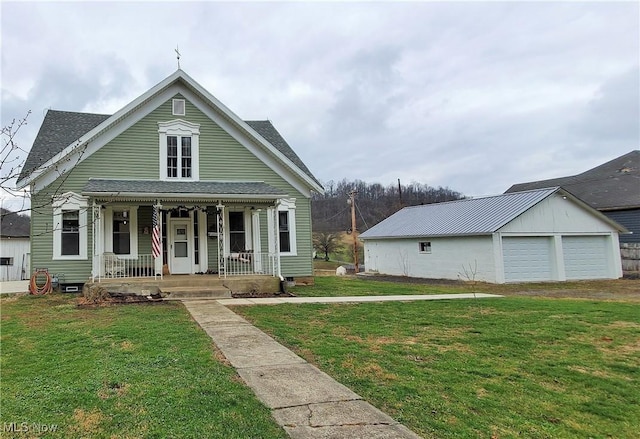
point(179, 150)
point(179, 107)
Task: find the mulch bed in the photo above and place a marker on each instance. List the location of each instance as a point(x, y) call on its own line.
point(257, 295)
point(120, 299)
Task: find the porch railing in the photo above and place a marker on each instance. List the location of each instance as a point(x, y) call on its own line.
point(251, 263)
point(114, 266)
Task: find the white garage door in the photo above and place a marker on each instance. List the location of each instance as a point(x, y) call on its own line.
point(585, 257)
point(527, 258)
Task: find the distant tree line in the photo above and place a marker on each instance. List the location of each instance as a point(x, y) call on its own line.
point(14, 223)
point(374, 202)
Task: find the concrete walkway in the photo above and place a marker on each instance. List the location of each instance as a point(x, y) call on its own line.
point(14, 286)
point(354, 299)
point(305, 401)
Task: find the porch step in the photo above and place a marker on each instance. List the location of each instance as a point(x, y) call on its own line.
point(179, 293)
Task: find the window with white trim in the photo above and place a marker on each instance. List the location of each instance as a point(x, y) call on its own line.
point(424, 247)
point(286, 228)
point(70, 227)
point(70, 239)
point(121, 230)
point(178, 107)
point(284, 232)
point(179, 150)
point(6, 261)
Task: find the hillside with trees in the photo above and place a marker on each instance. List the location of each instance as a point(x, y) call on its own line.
point(14, 223)
point(374, 202)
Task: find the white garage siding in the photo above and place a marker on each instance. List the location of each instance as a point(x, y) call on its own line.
point(448, 259)
point(527, 258)
point(585, 257)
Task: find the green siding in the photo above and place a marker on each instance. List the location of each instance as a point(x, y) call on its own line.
point(302, 264)
point(42, 242)
point(134, 155)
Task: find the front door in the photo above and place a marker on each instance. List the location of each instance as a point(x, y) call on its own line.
point(180, 247)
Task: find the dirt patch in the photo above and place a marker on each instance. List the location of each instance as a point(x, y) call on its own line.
point(258, 294)
point(87, 422)
point(111, 299)
point(411, 280)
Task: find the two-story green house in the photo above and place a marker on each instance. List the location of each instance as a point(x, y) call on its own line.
point(174, 182)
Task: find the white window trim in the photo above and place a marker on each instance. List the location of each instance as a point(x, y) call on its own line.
point(424, 252)
point(179, 128)
point(175, 104)
point(248, 242)
point(69, 201)
point(133, 230)
point(285, 205)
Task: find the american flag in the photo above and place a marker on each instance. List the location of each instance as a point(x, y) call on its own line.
point(156, 246)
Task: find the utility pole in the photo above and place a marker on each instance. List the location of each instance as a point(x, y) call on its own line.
point(352, 201)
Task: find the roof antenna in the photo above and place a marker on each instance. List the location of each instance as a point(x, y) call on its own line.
point(178, 56)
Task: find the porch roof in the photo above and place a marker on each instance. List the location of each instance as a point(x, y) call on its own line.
point(212, 190)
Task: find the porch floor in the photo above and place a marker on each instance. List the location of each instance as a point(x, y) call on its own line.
point(196, 286)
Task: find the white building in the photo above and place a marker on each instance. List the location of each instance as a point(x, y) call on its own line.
point(539, 235)
point(14, 258)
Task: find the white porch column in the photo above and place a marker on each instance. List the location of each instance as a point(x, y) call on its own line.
point(222, 268)
point(157, 262)
point(96, 259)
point(256, 244)
point(274, 238)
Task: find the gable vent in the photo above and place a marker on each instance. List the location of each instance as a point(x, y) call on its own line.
point(178, 107)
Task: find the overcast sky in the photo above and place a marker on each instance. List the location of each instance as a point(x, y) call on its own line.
point(474, 96)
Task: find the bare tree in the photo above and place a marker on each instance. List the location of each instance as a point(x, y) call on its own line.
point(12, 161)
point(12, 158)
point(326, 243)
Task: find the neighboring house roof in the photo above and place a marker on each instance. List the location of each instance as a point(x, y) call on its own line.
point(207, 189)
point(14, 225)
point(475, 216)
point(62, 131)
point(611, 186)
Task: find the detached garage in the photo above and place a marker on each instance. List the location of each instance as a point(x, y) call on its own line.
point(531, 236)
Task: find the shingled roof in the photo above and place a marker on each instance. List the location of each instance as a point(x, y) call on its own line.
point(266, 129)
point(209, 188)
point(614, 185)
point(61, 128)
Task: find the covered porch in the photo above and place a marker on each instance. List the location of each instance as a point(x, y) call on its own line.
point(185, 228)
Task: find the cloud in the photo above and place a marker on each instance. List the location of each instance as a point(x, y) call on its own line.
point(613, 114)
point(475, 96)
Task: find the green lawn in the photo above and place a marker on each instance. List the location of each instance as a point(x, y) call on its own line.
point(499, 368)
point(361, 286)
point(123, 371)
point(355, 286)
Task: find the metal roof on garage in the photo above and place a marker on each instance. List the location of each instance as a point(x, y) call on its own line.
point(474, 216)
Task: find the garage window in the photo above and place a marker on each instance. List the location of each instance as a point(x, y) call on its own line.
point(424, 247)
